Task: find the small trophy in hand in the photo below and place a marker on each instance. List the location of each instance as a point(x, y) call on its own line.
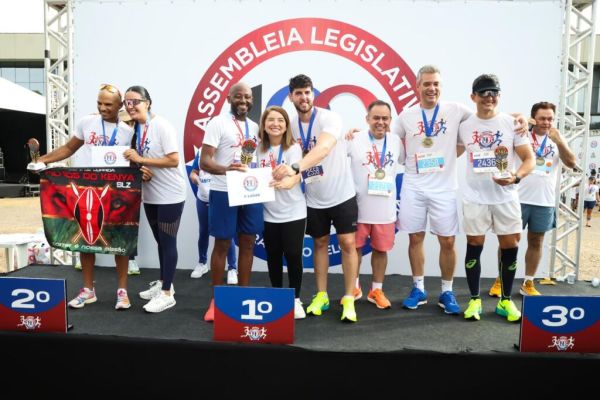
point(34, 153)
point(501, 154)
point(248, 148)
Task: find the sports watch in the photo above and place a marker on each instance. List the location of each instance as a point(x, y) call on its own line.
point(296, 168)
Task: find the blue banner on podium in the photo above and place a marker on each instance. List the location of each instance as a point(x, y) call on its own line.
point(33, 305)
point(255, 315)
point(560, 324)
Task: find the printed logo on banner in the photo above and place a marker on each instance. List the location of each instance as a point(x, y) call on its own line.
point(33, 305)
point(258, 315)
point(318, 35)
point(560, 324)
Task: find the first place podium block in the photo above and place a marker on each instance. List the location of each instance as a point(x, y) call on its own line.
point(254, 315)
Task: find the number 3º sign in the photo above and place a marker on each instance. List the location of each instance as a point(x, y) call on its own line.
point(33, 305)
point(257, 315)
point(560, 324)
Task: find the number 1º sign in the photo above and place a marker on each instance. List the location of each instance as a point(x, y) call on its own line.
point(560, 324)
point(33, 305)
point(257, 315)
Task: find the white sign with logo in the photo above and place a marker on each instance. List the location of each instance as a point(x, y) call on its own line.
point(109, 156)
point(250, 187)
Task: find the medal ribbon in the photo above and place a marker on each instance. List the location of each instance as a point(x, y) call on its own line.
point(540, 148)
point(113, 136)
point(142, 140)
point(247, 136)
point(379, 158)
point(429, 126)
point(306, 140)
point(272, 159)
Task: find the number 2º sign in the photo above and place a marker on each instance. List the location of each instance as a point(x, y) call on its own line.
point(560, 324)
point(33, 305)
point(257, 315)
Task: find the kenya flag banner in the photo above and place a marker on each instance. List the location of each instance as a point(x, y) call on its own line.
point(92, 210)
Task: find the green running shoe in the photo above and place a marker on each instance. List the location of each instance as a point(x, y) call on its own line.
point(473, 310)
point(320, 303)
point(348, 311)
point(507, 308)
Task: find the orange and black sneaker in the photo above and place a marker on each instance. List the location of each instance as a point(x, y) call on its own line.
point(378, 298)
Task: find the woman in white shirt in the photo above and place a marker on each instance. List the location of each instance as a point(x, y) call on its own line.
point(590, 198)
point(156, 147)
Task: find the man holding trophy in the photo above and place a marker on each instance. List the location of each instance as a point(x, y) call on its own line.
point(490, 199)
point(229, 145)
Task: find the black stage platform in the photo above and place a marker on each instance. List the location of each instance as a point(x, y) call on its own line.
point(394, 349)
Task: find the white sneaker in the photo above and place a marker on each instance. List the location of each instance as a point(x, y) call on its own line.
point(155, 290)
point(299, 310)
point(199, 270)
point(160, 303)
point(133, 268)
point(232, 277)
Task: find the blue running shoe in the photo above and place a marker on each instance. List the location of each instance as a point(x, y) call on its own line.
point(416, 298)
point(448, 302)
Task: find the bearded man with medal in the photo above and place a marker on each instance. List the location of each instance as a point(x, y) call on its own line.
point(229, 144)
point(537, 193)
point(491, 199)
point(330, 194)
point(374, 155)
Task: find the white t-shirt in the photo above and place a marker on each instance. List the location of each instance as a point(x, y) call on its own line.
point(485, 135)
point(590, 192)
point(410, 126)
point(538, 188)
point(374, 209)
point(167, 185)
point(289, 205)
point(89, 129)
point(336, 184)
point(227, 137)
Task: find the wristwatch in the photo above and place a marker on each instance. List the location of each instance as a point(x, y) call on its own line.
point(517, 179)
point(296, 168)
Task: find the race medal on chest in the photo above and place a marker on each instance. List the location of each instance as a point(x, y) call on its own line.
point(380, 173)
point(540, 161)
point(427, 142)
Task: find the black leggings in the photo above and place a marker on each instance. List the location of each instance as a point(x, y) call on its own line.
point(164, 221)
point(285, 239)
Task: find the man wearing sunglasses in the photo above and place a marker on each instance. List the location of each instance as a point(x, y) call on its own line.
point(103, 129)
point(491, 199)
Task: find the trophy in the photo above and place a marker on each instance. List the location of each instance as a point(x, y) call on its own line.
point(248, 148)
point(501, 154)
point(34, 153)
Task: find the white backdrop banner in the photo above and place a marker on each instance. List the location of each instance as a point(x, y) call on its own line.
point(189, 53)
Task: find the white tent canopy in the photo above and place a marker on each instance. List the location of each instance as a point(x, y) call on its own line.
point(17, 98)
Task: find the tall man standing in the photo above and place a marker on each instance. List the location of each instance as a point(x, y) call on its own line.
point(226, 140)
point(330, 194)
point(491, 200)
point(537, 193)
point(104, 129)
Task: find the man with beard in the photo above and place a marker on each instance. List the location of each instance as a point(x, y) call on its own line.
point(225, 138)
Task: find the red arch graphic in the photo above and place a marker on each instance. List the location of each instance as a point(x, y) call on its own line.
point(272, 40)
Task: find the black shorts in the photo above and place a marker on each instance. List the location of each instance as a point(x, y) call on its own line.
point(343, 216)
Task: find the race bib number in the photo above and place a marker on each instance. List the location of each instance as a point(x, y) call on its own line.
point(312, 175)
point(380, 187)
point(429, 162)
point(544, 169)
point(484, 161)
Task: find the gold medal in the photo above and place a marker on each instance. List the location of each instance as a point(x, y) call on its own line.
point(427, 142)
point(540, 161)
point(380, 173)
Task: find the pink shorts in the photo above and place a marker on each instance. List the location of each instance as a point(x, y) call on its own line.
point(382, 235)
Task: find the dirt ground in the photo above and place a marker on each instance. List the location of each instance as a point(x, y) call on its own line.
point(22, 215)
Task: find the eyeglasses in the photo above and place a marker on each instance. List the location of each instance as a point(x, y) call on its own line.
point(134, 102)
point(110, 88)
point(486, 93)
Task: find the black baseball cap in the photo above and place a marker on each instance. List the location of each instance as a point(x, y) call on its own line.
point(486, 82)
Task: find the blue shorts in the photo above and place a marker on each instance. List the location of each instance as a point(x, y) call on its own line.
point(225, 221)
point(538, 219)
point(589, 205)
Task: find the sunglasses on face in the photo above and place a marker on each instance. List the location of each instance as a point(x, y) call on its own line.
point(486, 93)
point(110, 88)
point(134, 102)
